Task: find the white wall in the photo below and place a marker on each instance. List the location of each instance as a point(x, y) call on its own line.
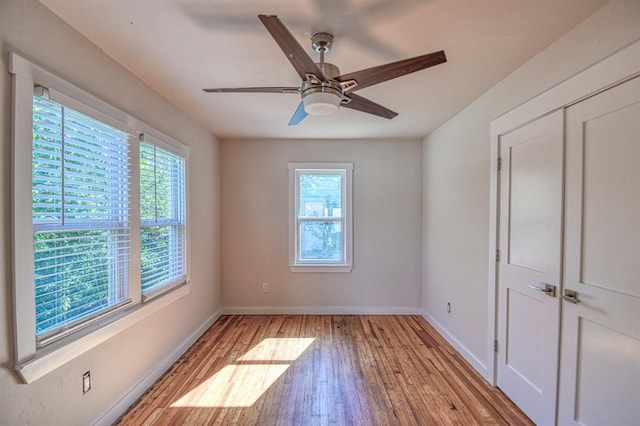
point(121, 362)
point(387, 217)
point(456, 176)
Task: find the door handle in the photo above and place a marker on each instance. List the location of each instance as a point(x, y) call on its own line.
point(570, 296)
point(548, 289)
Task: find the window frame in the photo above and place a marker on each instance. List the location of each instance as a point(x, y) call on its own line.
point(33, 361)
point(161, 289)
point(296, 264)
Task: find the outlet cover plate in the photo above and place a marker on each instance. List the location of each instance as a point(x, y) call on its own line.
point(86, 382)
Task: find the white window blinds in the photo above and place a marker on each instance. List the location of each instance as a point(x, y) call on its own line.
point(162, 219)
point(80, 170)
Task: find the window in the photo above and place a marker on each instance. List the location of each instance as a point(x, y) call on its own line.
point(99, 220)
point(80, 209)
point(320, 237)
point(162, 219)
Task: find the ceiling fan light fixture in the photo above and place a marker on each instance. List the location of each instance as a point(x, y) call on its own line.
point(321, 103)
point(321, 98)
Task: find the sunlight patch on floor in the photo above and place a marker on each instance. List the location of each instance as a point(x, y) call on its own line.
point(278, 349)
point(241, 383)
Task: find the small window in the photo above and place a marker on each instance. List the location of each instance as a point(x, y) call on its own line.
point(321, 220)
point(162, 219)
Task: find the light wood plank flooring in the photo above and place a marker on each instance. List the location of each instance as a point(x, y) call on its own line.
point(321, 370)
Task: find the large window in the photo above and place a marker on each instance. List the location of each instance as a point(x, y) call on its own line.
point(80, 187)
point(99, 220)
point(320, 228)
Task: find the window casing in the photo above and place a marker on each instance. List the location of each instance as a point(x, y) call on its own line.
point(77, 227)
point(320, 206)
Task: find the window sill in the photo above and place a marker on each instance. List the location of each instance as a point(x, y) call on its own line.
point(59, 353)
point(321, 268)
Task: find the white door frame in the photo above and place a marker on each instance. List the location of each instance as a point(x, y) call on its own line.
point(611, 71)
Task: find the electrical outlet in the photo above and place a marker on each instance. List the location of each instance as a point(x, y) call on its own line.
point(86, 382)
point(265, 287)
point(448, 307)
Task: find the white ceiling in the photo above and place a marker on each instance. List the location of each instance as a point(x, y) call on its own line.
point(180, 47)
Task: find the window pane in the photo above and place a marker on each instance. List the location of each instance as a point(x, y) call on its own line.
point(321, 194)
point(76, 275)
point(80, 167)
point(320, 240)
point(162, 255)
point(162, 185)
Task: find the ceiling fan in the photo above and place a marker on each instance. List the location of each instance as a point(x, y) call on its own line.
point(323, 88)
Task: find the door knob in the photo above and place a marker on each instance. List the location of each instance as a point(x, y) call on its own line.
point(570, 296)
point(548, 289)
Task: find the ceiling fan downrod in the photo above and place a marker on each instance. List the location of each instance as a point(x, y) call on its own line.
point(321, 43)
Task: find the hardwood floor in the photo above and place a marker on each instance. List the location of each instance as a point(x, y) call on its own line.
point(320, 370)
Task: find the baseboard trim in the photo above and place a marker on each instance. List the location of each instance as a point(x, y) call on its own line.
point(478, 365)
point(321, 310)
point(111, 415)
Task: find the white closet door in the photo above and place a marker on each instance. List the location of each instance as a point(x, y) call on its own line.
point(530, 263)
point(600, 346)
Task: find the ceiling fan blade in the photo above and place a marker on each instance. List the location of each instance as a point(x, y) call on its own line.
point(375, 75)
point(298, 116)
point(295, 90)
point(292, 50)
point(365, 105)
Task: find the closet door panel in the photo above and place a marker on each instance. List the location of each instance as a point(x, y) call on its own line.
point(611, 200)
point(600, 343)
point(530, 264)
